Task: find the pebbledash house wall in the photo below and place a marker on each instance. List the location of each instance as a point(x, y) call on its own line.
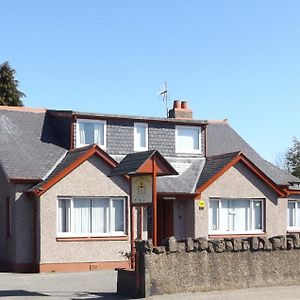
point(23, 231)
point(239, 182)
point(7, 249)
point(16, 242)
point(89, 179)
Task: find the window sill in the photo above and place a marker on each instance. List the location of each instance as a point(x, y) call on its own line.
point(103, 147)
point(238, 235)
point(140, 149)
point(188, 152)
point(296, 230)
point(92, 239)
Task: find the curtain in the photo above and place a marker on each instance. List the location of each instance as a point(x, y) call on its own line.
point(99, 134)
point(213, 214)
point(117, 215)
point(188, 139)
point(225, 219)
point(257, 210)
point(64, 215)
point(291, 214)
point(298, 215)
point(140, 138)
point(81, 216)
point(241, 214)
point(81, 133)
point(100, 209)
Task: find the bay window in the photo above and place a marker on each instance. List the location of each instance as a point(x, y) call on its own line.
point(293, 213)
point(235, 216)
point(188, 139)
point(97, 216)
point(90, 132)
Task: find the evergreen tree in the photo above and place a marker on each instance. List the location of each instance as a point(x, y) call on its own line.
point(9, 93)
point(293, 158)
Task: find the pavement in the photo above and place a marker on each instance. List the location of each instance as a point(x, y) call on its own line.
point(102, 285)
point(266, 293)
point(81, 285)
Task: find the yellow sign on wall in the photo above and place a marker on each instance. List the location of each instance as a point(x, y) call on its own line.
point(201, 204)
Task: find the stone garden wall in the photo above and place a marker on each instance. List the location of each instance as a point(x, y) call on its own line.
point(200, 265)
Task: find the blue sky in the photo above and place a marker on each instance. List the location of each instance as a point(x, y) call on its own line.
point(230, 59)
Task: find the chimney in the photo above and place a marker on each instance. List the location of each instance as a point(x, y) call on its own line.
point(180, 110)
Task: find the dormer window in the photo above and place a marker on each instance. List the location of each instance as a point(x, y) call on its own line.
point(188, 139)
point(90, 132)
point(140, 136)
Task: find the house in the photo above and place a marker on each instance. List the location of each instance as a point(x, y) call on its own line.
point(62, 211)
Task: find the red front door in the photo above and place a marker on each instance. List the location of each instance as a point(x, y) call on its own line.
point(165, 220)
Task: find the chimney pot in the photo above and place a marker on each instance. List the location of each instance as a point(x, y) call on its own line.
point(177, 104)
point(180, 110)
point(184, 105)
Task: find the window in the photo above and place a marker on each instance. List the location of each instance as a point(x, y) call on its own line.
point(140, 136)
point(91, 216)
point(232, 216)
point(188, 139)
point(293, 213)
point(90, 132)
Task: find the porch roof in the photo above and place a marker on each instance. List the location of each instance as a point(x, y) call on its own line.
point(139, 163)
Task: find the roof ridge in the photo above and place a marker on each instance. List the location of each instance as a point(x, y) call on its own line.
point(83, 148)
point(22, 108)
point(229, 154)
point(55, 165)
point(225, 122)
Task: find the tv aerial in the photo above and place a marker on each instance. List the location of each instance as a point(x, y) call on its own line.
point(164, 94)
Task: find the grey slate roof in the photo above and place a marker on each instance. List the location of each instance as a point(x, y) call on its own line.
point(133, 161)
point(189, 170)
point(70, 157)
point(221, 138)
point(139, 118)
point(213, 165)
point(30, 143)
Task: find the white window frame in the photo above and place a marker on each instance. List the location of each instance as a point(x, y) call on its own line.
point(187, 151)
point(221, 231)
point(109, 219)
point(294, 227)
point(78, 121)
point(138, 147)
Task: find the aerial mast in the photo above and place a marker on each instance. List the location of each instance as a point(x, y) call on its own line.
point(164, 94)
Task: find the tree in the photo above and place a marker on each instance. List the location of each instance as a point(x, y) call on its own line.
point(9, 93)
point(292, 157)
